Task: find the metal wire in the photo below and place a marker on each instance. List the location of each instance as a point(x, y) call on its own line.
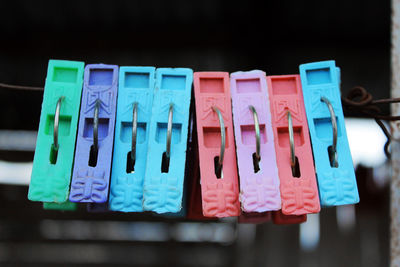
point(223, 138)
point(56, 122)
point(360, 100)
point(257, 131)
point(21, 87)
point(357, 99)
point(169, 130)
point(334, 160)
point(134, 132)
point(96, 125)
point(291, 141)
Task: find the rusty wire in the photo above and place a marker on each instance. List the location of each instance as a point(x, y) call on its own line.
point(21, 87)
point(359, 99)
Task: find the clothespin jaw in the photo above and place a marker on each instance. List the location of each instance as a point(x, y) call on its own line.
point(54, 155)
point(97, 207)
point(279, 218)
point(94, 146)
point(135, 101)
point(165, 171)
point(259, 181)
point(333, 162)
point(218, 169)
point(66, 206)
point(298, 186)
point(255, 217)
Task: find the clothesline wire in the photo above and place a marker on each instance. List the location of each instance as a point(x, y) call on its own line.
point(21, 87)
point(358, 99)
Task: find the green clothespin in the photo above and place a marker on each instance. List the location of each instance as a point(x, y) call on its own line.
point(67, 206)
point(55, 145)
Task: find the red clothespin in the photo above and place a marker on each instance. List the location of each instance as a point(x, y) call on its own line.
point(298, 185)
point(279, 218)
point(254, 217)
point(218, 169)
point(194, 210)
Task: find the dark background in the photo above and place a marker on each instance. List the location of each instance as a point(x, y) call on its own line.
point(274, 36)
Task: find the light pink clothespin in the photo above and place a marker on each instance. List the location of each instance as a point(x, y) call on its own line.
point(259, 182)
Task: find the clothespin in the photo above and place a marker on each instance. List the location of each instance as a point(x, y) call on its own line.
point(190, 169)
point(194, 207)
point(91, 175)
point(194, 211)
point(166, 156)
point(258, 172)
point(66, 206)
point(218, 169)
point(255, 217)
point(334, 166)
point(279, 218)
point(97, 207)
point(135, 101)
point(298, 185)
point(54, 156)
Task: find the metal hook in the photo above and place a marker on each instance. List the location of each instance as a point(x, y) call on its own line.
point(134, 132)
point(169, 130)
point(334, 159)
point(222, 126)
point(257, 130)
point(56, 122)
point(96, 125)
point(291, 141)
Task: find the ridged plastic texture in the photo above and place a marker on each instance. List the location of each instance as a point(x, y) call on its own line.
point(52, 169)
point(337, 185)
point(299, 191)
point(220, 196)
point(259, 181)
point(136, 86)
point(163, 184)
point(91, 174)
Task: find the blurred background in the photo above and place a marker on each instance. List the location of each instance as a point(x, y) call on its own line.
point(215, 35)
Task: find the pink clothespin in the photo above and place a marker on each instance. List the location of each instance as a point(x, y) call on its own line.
point(259, 182)
point(298, 185)
point(218, 170)
point(279, 218)
point(254, 217)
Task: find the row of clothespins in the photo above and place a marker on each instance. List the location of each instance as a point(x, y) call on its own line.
point(121, 136)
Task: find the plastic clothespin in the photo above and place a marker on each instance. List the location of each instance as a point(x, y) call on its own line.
point(255, 217)
point(258, 172)
point(298, 185)
point(279, 218)
point(135, 101)
point(334, 166)
point(66, 206)
point(94, 145)
point(97, 207)
point(192, 160)
point(166, 156)
point(55, 145)
point(218, 169)
point(194, 210)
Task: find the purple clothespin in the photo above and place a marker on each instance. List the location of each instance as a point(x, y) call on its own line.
point(94, 145)
point(258, 172)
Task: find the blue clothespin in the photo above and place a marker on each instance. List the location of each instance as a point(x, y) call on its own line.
point(94, 145)
point(334, 166)
point(166, 156)
point(135, 100)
